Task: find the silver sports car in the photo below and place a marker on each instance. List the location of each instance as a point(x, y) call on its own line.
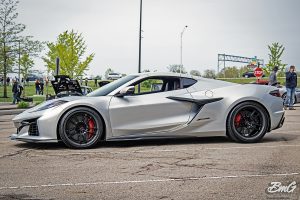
point(155, 105)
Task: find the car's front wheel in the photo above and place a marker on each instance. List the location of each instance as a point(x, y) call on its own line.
point(247, 122)
point(81, 127)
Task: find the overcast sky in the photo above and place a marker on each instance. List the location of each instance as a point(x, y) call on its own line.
point(110, 29)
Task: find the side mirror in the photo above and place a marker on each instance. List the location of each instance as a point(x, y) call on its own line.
point(126, 91)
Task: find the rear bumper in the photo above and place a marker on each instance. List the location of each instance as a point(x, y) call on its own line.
point(280, 122)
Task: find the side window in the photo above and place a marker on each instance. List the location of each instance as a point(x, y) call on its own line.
point(157, 84)
point(187, 82)
point(147, 86)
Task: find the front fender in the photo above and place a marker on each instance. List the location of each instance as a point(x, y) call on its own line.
point(49, 121)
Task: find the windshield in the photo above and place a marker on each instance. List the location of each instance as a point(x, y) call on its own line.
point(106, 89)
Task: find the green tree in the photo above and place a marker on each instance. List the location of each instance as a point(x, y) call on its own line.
point(12, 44)
point(177, 69)
point(209, 73)
point(10, 61)
point(70, 48)
point(30, 47)
point(26, 64)
point(276, 51)
point(231, 72)
point(9, 33)
point(244, 69)
point(195, 73)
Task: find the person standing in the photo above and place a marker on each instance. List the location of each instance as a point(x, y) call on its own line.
point(291, 84)
point(7, 81)
point(86, 81)
point(20, 90)
point(42, 88)
point(37, 86)
point(15, 91)
point(95, 83)
point(273, 77)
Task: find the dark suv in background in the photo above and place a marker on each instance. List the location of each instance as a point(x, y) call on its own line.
point(249, 74)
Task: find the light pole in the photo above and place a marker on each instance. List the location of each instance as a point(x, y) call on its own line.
point(181, 65)
point(19, 72)
point(140, 42)
point(140, 36)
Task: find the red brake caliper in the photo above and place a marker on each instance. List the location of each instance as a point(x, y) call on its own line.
point(237, 119)
point(91, 124)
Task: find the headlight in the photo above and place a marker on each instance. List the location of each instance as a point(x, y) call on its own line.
point(52, 105)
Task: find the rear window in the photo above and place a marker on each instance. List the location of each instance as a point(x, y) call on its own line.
point(187, 82)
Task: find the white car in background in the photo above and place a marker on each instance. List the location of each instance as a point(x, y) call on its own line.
point(114, 76)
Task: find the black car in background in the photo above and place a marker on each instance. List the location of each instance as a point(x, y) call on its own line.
point(33, 77)
point(249, 74)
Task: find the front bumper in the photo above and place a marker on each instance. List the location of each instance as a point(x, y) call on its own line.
point(28, 138)
point(28, 131)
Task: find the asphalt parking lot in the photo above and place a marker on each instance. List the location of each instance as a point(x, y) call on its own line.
point(202, 168)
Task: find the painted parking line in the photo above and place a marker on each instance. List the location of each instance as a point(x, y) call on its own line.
point(144, 181)
point(254, 147)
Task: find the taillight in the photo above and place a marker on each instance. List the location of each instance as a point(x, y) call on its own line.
point(275, 93)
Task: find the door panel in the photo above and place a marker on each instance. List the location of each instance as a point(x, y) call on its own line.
point(148, 113)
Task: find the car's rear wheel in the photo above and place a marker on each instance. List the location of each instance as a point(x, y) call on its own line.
point(81, 127)
point(247, 122)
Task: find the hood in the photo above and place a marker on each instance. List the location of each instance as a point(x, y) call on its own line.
point(63, 83)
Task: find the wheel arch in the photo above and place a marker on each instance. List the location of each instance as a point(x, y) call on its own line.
point(253, 101)
point(103, 136)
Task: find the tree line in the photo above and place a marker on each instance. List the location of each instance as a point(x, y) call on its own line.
point(19, 50)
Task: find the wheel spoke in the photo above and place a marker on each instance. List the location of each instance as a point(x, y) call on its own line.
point(80, 118)
point(86, 119)
point(254, 115)
point(71, 132)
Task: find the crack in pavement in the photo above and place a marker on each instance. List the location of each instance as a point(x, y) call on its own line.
point(19, 152)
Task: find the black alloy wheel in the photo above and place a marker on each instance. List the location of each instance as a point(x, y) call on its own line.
point(247, 122)
point(81, 127)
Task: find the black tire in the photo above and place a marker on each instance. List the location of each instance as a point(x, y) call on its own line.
point(247, 123)
point(81, 128)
